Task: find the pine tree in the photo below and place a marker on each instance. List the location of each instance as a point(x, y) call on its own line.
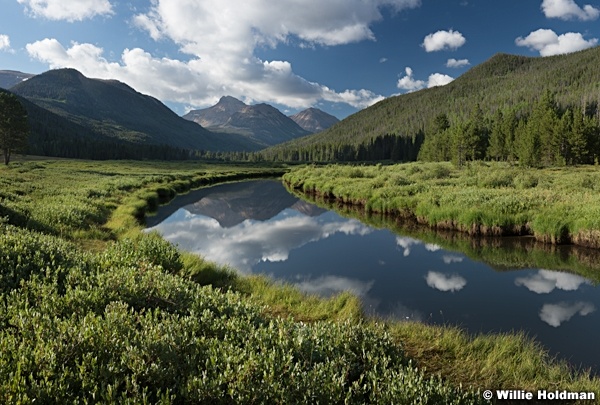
point(14, 129)
point(497, 143)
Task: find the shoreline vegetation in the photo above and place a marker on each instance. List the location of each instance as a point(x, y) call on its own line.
point(554, 205)
point(92, 309)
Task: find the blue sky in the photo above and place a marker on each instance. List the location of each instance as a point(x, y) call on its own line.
point(337, 55)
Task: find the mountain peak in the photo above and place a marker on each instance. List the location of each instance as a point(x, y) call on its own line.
point(314, 120)
point(231, 102)
point(260, 122)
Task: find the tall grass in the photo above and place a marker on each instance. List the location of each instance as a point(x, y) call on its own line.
point(558, 205)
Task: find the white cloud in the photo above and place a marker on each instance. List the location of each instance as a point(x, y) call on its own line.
point(556, 314)
point(4, 42)
point(438, 79)
point(222, 38)
point(383, 60)
point(548, 43)
point(72, 10)
point(569, 10)
point(453, 63)
point(545, 281)
point(410, 84)
point(442, 282)
point(443, 40)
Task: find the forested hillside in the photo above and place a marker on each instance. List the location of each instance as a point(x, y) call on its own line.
point(396, 127)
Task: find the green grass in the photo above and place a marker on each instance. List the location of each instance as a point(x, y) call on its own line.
point(93, 310)
point(557, 205)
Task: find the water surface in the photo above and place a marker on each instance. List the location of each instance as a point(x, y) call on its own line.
point(258, 227)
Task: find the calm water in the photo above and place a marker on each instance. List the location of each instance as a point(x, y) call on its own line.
point(258, 227)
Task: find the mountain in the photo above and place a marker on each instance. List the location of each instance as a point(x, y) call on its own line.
point(314, 120)
point(260, 123)
point(502, 81)
point(117, 112)
point(9, 78)
point(217, 115)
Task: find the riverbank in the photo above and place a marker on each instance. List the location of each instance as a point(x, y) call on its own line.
point(556, 206)
point(95, 310)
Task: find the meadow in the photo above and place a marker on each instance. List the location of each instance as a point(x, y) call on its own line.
point(94, 310)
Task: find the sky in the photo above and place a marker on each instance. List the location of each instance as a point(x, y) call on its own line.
point(337, 55)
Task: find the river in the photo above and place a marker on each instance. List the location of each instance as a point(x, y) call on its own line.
point(258, 227)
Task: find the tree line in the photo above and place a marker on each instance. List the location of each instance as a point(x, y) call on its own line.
point(546, 135)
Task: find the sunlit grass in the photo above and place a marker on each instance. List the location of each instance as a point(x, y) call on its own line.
point(556, 205)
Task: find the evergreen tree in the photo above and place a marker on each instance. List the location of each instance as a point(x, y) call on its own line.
point(509, 128)
point(497, 149)
point(476, 135)
point(14, 129)
point(577, 140)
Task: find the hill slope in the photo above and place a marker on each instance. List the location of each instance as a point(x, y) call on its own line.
point(117, 111)
point(9, 78)
point(503, 80)
point(261, 123)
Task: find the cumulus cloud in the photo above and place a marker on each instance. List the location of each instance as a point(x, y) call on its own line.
point(4, 42)
point(545, 281)
point(548, 43)
point(443, 282)
point(453, 63)
point(72, 10)
point(443, 40)
point(410, 84)
point(556, 314)
point(569, 10)
point(222, 37)
point(438, 79)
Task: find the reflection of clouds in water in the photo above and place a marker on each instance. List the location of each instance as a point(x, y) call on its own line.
point(406, 243)
point(250, 242)
point(449, 259)
point(329, 285)
point(442, 282)
point(555, 314)
point(432, 247)
point(545, 281)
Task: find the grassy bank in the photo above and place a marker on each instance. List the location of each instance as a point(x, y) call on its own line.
point(92, 310)
point(560, 205)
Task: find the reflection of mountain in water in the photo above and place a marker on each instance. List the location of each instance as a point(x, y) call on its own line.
point(259, 200)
